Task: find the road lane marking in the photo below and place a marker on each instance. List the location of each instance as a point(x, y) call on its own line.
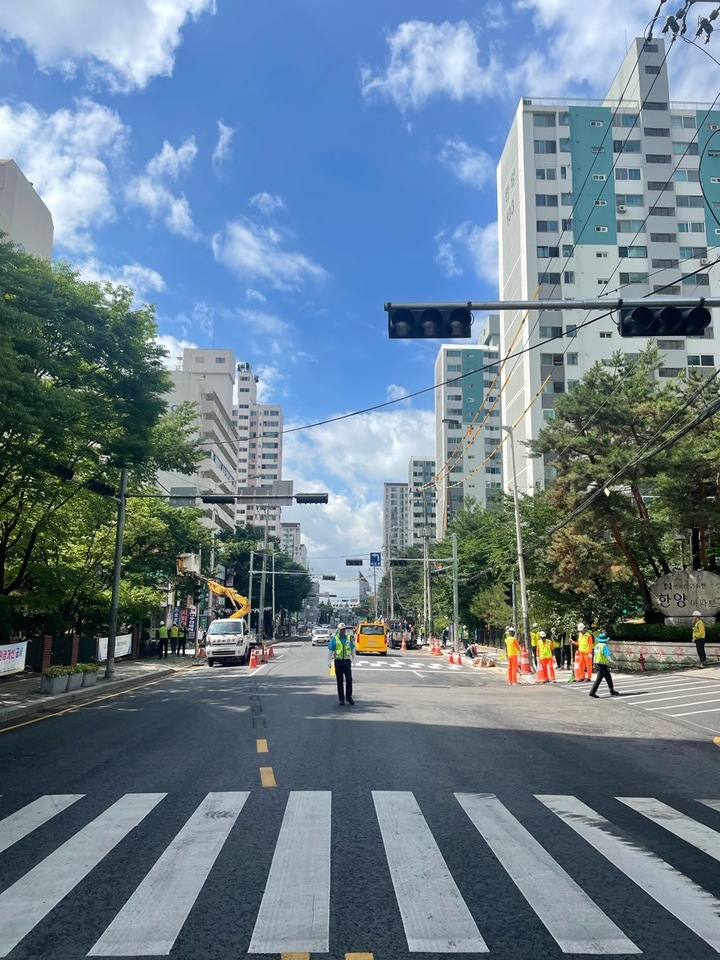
point(435, 917)
point(267, 779)
point(262, 746)
point(681, 696)
point(581, 926)
point(697, 834)
point(151, 920)
point(295, 909)
point(19, 824)
point(693, 906)
point(34, 895)
point(680, 706)
point(358, 956)
point(691, 713)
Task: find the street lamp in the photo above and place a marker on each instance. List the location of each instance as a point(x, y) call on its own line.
point(521, 556)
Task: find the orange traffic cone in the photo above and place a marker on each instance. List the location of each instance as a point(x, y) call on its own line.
point(403, 645)
point(458, 659)
point(577, 669)
point(436, 649)
point(524, 661)
point(270, 652)
point(541, 675)
point(451, 658)
point(253, 658)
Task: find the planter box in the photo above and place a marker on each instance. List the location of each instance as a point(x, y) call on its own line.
point(89, 678)
point(75, 681)
point(53, 685)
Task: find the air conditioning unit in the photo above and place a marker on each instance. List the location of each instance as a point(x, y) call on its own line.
point(621, 208)
point(704, 260)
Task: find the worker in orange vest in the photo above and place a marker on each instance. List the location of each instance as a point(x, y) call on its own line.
point(584, 643)
point(513, 652)
point(545, 658)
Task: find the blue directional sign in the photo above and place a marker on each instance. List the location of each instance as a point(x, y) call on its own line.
point(375, 560)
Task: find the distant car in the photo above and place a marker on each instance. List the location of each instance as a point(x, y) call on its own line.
point(320, 637)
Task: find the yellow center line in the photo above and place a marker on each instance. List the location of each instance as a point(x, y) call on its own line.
point(262, 746)
point(267, 777)
point(716, 741)
point(358, 956)
point(294, 956)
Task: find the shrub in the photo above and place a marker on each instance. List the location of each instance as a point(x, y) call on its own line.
point(661, 633)
point(51, 672)
point(86, 668)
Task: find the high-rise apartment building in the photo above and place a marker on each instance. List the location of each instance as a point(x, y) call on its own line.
point(207, 378)
point(23, 215)
point(395, 513)
point(422, 505)
point(290, 543)
point(259, 429)
point(619, 197)
point(468, 420)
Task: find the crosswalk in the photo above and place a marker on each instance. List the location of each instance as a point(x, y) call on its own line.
point(435, 913)
point(688, 696)
point(404, 665)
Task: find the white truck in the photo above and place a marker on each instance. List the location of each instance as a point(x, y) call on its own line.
point(227, 641)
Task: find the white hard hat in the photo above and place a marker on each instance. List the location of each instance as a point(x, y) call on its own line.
point(696, 613)
point(542, 633)
point(341, 626)
point(581, 626)
point(511, 629)
point(534, 624)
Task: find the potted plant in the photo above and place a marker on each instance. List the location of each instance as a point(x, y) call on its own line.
point(89, 673)
point(54, 680)
point(75, 677)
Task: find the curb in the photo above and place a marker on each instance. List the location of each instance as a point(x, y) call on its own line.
point(102, 687)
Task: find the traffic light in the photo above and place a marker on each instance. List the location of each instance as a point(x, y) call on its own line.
point(328, 576)
point(398, 563)
point(353, 563)
point(508, 587)
point(311, 498)
point(668, 321)
point(217, 498)
point(430, 323)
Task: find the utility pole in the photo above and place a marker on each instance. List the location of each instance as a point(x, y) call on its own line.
point(456, 615)
point(263, 576)
point(521, 555)
point(117, 569)
point(250, 586)
point(273, 591)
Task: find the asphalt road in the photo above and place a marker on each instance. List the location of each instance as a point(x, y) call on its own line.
point(227, 812)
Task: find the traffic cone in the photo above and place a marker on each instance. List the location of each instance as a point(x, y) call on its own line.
point(436, 649)
point(403, 645)
point(253, 658)
point(524, 661)
point(541, 675)
point(458, 659)
point(451, 658)
point(577, 669)
point(270, 652)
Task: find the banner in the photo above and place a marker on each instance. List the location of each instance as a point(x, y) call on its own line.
point(123, 647)
point(191, 625)
point(12, 658)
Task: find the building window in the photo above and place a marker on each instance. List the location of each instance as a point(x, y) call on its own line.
point(547, 333)
point(673, 291)
point(632, 251)
point(546, 277)
point(551, 359)
point(546, 173)
point(693, 201)
point(554, 386)
point(691, 227)
point(571, 330)
point(633, 277)
point(546, 200)
point(662, 211)
point(571, 359)
point(671, 345)
point(661, 186)
point(566, 199)
point(655, 105)
point(543, 119)
point(628, 173)
point(545, 146)
point(688, 176)
point(564, 144)
point(567, 224)
point(626, 146)
point(601, 229)
point(664, 264)
point(601, 253)
point(547, 226)
point(630, 226)
point(657, 158)
point(686, 149)
point(651, 68)
point(567, 249)
point(626, 120)
point(548, 414)
point(219, 359)
point(569, 276)
point(597, 149)
point(697, 280)
point(657, 131)
point(604, 335)
point(702, 361)
point(598, 176)
point(687, 252)
point(630, 199)
point(600, 203)
point(663, 237)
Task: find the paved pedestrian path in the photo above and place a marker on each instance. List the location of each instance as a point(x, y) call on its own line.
point(554, 852)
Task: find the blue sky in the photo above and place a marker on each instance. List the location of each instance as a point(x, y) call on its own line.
point(268, 174)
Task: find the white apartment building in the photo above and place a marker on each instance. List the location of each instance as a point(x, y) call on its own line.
point(395, 524)
point(616, 197)
point(23, 215)
point(259, 429)
point(422, 505)
point(468, 418)
point(207, 378)
point(291, 544)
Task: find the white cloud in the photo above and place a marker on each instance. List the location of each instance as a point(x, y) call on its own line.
point(429, 60)
point(341, 458)
point(221, 153)
point(65, 155)
point(396, 392)
point(255, 295)
point(267, 203)
point(257, 252)
point(469, 164)
point(469, 245)
point(123, 45)
point(151, 192)
point(143, 280)
point(271, 383)
point(174, 348)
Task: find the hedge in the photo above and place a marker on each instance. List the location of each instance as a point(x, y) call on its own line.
point(660, 633)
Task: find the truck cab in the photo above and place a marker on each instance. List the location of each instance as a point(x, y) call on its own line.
point(227, 641)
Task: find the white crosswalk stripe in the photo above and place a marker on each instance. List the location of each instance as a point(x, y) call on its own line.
point(26, 902)
point(580, 927)
point(294, 915)
point(692, 905)
point(675, 695)
point(151, 920)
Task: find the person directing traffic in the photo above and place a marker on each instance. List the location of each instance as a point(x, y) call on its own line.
point(341, 650)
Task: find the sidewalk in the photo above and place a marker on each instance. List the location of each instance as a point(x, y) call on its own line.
point(20, 693)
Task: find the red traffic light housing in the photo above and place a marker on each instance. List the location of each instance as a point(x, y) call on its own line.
point(664, 321)
point(428, 323)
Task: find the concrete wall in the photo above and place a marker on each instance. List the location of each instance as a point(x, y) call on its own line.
point(660, 656)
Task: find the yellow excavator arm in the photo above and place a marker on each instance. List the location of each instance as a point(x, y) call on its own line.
point(241, 604)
